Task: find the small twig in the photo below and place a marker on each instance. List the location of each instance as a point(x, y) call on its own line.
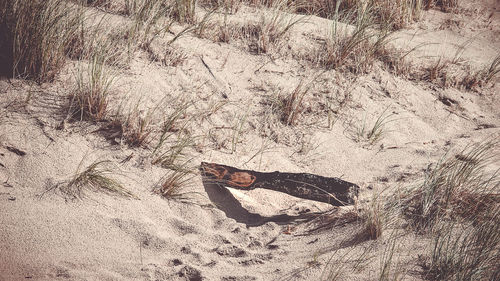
point(206, 65)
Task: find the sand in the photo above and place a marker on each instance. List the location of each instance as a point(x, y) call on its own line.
point(215, 233)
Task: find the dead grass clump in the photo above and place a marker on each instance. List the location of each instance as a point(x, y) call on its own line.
point(136, 128)
point(271, 29)
point(331, 219)
point(376, 216)
point(458, 188)
point(443, 72)
point(291, 106)
point(95, 177)
point(444, 5)
point(435, 71)
point(465, 252)
point(353, 48)
point(482, 77)
point(228, 6)
point(397, 62)
point(168, 56)
point(184, 11)
point(373, 217)
point(35, 37)
point(394, 13)
point(97, 3)
point(144, 10)
point(226, 33)
point(173, 183)
point(93, 83)
point(373, 220)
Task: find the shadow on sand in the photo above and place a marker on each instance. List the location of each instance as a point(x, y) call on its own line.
point(226, 202)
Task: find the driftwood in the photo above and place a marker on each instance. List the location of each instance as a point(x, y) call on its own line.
point(335, 191)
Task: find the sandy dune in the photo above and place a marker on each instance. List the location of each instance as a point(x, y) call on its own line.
point(215, 233)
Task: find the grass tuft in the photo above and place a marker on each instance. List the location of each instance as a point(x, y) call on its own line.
point(272, 27)
point(173, 183)
point(35, 36)
point(135, 126)
point(373, 220)
point(458, 188)
point(484, 76)
point(174, 140)
point(291, 106)
point(377, 131)
point(91, 96)
point(185, 11)
point(396, 13)
point(465, 252)
point(170, 154)
point(96, 178)
point(354, 49)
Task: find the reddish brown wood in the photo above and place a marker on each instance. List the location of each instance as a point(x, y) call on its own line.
point(308, 186)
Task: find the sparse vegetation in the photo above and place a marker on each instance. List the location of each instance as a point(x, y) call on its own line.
point(377, 131)
point(290, 106)
point(352, 49)
point(238, 128)
point(172, 155)
point(95, 177)
point(469, 252)
point(93, 85)
point(390, 266)
point(172, 185)
point(271, 28)
point(135, 126)
point(138, 129)
point(482, 77)
point(150, 19)
point(373, 217)
point(228, 6)
point(457, 188)
point(397, 13)
point(341, 263)
point(184, 10)
point(443, 72)
point(173, 141)
point(35, 36)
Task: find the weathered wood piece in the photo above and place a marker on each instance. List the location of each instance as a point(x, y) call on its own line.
point(335, 191)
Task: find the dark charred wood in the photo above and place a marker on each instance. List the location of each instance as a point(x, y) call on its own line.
point(334, 191)
point(16, 151)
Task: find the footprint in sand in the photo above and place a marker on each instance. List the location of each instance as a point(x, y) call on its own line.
point(231, 251)
point(175, 262)
point(156, 272)
point(141, 234)
point(188, 251)
point(190, 273)
point(255, 244)
point(250, 262)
